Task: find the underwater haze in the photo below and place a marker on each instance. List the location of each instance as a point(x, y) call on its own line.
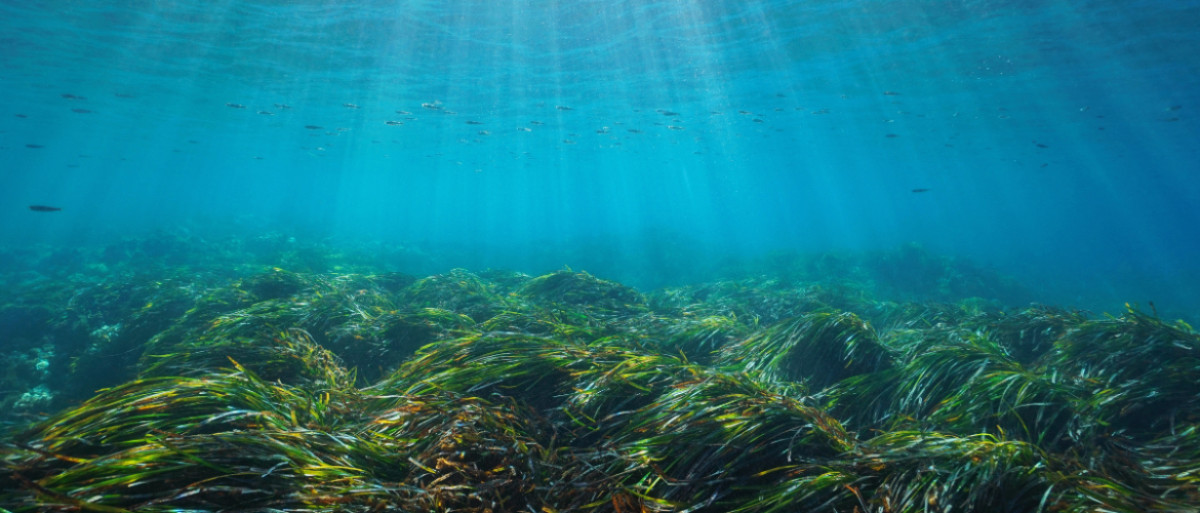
point(1053, 142)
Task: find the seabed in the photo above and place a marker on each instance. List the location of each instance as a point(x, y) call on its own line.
point(269, 389)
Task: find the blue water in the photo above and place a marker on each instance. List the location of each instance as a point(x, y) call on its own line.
point(1058, 141)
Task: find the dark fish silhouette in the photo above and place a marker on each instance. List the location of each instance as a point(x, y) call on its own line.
point(43, 208)
point(920, 190)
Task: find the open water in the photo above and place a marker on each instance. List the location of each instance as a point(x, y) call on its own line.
point(1055, 142)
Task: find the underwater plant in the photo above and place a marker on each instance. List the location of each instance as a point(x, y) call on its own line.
point(276, 390)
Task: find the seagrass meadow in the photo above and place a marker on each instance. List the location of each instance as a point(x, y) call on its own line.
point(599, 256)
point(191, 387)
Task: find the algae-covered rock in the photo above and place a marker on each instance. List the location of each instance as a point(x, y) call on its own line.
point(23, 326)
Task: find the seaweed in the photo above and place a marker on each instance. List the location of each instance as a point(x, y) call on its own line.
point(819, 348)
point(268, 389)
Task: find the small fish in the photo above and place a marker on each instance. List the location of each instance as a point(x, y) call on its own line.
point(536, 123)
point(757, 120)
point(350, 105)
point(70, 96)
point(44, 208)
point(602, 130)
point(282, 106)
point(891, 93)
point(668, 113)
point(1040, 145)
point(313, 127)
point(563, 107)
point(432, 106)
point(891, 136)
point(124, 95)
point(634, 131)
point(395, 123)
point(568, 141)
point(81, 111)
point(403, 112)
point(266, 113)
point(744, 112)
point(484, 132)
point(22, 116)
point(524, 129)
point(34, 146)
point(235, 105)
point(920, 190)
point(473, 122)
point(675, 127)
point(450, 112)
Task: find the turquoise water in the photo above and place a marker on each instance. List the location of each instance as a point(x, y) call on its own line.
point(1055, 143)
